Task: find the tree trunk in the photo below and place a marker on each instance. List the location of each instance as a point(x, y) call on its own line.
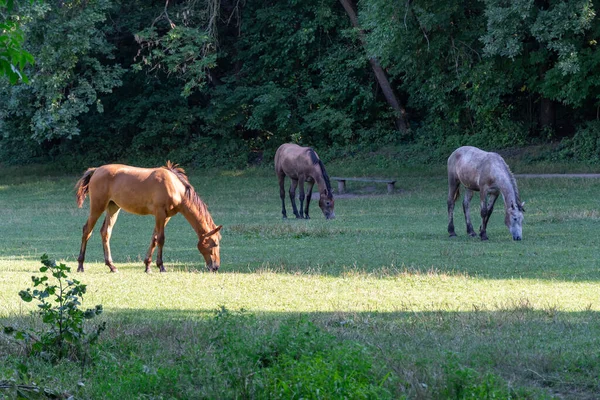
point(547, 114)
point(380, 75)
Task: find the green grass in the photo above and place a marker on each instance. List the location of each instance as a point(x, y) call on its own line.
point(378, 303)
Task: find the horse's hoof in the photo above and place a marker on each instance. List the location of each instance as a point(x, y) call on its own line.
point(453, 235)
point(307, 217)
point(114, 271)
point(472, 234)
point(148, 271)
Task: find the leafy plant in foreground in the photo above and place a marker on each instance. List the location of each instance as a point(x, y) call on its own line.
point(59, 308)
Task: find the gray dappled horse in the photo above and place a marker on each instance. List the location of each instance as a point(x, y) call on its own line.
point(302, 164)
point(488, 174)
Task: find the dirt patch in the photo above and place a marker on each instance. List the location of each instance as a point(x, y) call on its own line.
point(557, 175)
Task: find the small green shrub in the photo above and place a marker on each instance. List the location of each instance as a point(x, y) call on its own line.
point(59, 304)
point(584, 146)
point(303, 362)
point(466, 383)
point(342, 372)
point(295, 360)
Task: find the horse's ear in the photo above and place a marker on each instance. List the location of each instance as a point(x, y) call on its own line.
point(523, 206)
point(209, 234)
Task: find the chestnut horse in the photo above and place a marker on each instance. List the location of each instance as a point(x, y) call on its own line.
point(488, 174)
point(302, 164)
point(162, 192)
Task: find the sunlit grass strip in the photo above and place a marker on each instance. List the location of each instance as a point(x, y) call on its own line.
point(267, 291)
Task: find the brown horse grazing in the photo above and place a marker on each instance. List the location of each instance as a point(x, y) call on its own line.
point(488, 174)
point(302, 164)
point(162, 192)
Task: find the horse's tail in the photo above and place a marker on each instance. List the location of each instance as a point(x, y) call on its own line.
point(83, 186)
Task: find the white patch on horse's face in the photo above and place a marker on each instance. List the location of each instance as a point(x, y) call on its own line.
point(514, 222)
point(327, 204)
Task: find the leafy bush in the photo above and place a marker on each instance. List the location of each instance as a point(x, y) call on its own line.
point(584, 146)
point(297, 359)
point(65, 335)
point(303, 362)
point(466, 383)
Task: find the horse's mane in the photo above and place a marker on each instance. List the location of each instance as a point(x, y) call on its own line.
point(190, 193)
point(513, 183)
point(316, 160)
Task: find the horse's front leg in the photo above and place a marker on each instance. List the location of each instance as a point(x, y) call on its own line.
point(148, 259)
point(484, 214)
point(112, 213)
point(487, 207)
point(467, 211)
point(293, 196)
point(153, 242)
point(308, 198)
point(302, 196)
point(453, 192)
point(159, 229)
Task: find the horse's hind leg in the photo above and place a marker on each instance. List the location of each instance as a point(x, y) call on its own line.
point(301, 197)
point(112, 212)
point(153, 241)
point(88, 228)
point(293, 197)
point(453, 192)
point(467, 211)
point(281, 178)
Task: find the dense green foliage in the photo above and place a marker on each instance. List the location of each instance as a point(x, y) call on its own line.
point(217, 82)
point(13, 57)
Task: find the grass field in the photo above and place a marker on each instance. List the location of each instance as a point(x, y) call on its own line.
point(378, 303)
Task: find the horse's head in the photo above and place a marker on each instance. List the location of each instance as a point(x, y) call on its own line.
point(514, 220)
point(208, 245)
point(326, 204)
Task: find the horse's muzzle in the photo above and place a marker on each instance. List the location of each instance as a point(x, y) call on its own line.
point(213, 267)
point(517, 237)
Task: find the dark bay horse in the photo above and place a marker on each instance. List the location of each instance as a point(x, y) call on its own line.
point(162, 192)
point(302, 164)
point(488, 174)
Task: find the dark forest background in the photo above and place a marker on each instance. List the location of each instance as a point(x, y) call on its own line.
point(225, 82)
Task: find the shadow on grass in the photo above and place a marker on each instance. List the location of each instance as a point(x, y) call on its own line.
point(515, 352)
point(526, 269)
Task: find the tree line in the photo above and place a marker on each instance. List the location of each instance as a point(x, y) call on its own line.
point(225, 82)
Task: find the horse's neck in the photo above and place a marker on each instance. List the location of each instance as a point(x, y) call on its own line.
point(199, 223)
point(508, 190)
point(320, 180)
point(321, 184)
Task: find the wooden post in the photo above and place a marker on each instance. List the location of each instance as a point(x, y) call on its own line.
point(341, 186)
point(390, 187)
